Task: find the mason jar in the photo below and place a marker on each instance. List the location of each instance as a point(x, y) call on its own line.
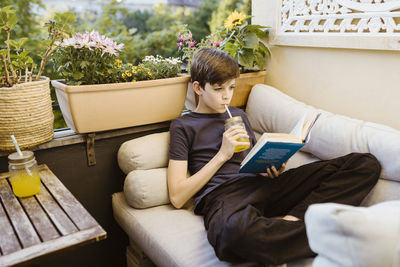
point(24, 174)
point(237, 120)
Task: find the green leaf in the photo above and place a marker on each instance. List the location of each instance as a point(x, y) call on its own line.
point(11, 20)
point(24, 53)
point(246, 58)
point(13, 43)
point(77, 75)
point(260, 60)
point(264, 49)
point(251, 40)
point(22, 41)
point(84, 64)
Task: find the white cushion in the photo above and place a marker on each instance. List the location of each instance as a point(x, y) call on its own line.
point(270, 110)
point(146, 188)
point(344, 235)
point(168, 236)
point(146, 152)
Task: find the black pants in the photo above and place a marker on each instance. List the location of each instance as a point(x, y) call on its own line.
point(239, 219)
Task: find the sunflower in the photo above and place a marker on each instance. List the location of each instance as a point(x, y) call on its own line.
point(236, 18)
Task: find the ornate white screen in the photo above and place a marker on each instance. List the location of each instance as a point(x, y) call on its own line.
point(371, 24)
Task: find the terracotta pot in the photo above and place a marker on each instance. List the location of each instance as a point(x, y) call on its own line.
point(244, 83)
point(100, 107)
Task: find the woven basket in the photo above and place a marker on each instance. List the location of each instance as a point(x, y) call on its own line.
point(26, 112)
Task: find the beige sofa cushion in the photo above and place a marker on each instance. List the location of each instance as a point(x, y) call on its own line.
point(147, 152)
point(344, 235)
point(146, 188)
point(270, 110)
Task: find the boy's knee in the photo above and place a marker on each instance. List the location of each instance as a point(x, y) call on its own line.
point(368, 162)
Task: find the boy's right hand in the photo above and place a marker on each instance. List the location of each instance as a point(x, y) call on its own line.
point(229, 140)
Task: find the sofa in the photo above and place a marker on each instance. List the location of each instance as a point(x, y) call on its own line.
point(166, 236)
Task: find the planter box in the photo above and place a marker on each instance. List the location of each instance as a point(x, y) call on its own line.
point(101, 107)
point(244, 83)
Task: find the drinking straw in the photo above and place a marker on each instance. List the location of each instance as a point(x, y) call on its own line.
point(227, 109)
point(16, 145)
point(19, 152)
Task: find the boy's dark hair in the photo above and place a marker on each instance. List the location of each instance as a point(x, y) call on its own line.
point(213, 66)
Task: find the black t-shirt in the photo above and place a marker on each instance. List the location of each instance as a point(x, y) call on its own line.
point(197, 137)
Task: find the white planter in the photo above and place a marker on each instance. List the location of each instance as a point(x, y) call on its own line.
point(101, 107)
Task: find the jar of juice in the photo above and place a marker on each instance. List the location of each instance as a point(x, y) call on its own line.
point(237, 120)
point(24, 174)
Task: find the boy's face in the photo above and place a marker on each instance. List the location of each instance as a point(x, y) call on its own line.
point(213, 98)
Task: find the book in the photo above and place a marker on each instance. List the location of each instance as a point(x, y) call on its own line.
point(273, 149)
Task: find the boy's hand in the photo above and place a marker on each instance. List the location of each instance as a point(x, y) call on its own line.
point(229, 140)
point(272, 172)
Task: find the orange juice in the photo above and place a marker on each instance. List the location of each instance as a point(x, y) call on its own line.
point(24, 185)
point(24, 173)
point(242, 147)
point(237, 120)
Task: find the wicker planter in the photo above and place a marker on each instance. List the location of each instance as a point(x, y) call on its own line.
point(244, 83)
point(26, 112)
point(101, 107)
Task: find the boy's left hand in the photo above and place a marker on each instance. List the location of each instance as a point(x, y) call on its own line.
point(272, 172)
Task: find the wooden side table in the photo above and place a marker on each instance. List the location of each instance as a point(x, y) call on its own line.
point(47, 222)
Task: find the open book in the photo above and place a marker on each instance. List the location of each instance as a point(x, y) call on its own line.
point(273, 149)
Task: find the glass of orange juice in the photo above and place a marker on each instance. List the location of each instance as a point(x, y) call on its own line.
point(24, 174)
point(237, 120)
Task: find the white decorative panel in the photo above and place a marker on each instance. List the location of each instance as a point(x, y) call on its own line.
point(370, 24)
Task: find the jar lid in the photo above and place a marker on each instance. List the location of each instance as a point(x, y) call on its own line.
point(234, 119)
point(17, 158)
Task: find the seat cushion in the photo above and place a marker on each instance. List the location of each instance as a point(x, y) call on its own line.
point(168, 236)
point(344, 235)
point(173, 237)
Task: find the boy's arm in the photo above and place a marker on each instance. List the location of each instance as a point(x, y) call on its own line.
point(182, 188)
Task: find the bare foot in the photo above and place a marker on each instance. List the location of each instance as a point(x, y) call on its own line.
point(290, 218)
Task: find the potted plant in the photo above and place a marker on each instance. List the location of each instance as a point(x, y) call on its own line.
point(243, 42)
point(100, 92)
point(25, 103)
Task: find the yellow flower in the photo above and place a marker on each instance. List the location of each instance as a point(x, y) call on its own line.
point(235, 18)
point(124, 75)
point(118, 63)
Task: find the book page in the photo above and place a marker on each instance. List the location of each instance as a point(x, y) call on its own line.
point(298, 129)
point(306, 132)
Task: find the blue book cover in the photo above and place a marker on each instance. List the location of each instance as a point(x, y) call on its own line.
point(273, 149)
point(270, 154)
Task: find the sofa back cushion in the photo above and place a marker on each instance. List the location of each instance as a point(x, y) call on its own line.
point(270, 110)
point(146, 152)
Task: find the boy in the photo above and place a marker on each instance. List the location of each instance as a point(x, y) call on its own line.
point(240, 209)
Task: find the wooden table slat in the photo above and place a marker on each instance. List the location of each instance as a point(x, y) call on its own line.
point(40, 220)
point(85, 236)
point(25, 231)
point(53, 213)
point(8, 240)
point(70, 204)
point(57, 215)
